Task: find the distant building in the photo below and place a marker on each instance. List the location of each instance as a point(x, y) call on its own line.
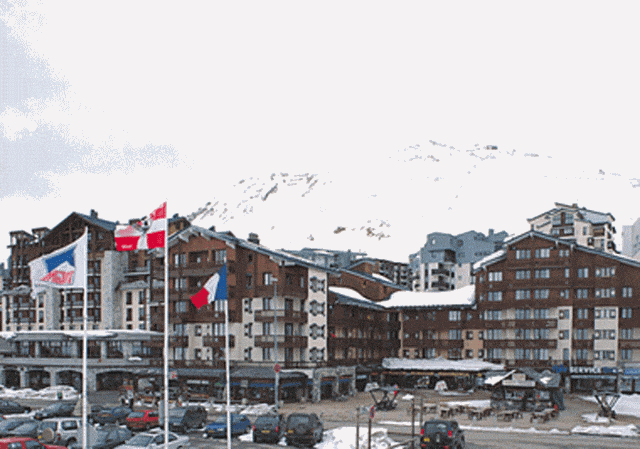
point(631, 240)
point(444, 262)
point(583, 226)
point(328, 258)
point(5, 277)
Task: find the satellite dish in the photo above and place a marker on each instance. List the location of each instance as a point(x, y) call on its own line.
point(47, 435)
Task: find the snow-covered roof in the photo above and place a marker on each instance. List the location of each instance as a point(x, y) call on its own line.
point(464, 296)
point(488, 259)
point(440, 364)
point(350, 296)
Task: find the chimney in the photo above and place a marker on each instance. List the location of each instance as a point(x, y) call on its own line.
point(490, 232)
point(253, 238)
point(94, 213)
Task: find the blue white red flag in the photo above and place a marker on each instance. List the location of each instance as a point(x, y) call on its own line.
point(214, 290)
point(147, 233)
point(63, 268)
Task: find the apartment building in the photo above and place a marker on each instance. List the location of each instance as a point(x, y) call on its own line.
point(578, 224)
point(546, 301)
point(444, 262)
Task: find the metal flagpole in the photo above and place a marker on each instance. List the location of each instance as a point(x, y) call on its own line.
point(166, 332)
point(84, 345)
point(226, 352)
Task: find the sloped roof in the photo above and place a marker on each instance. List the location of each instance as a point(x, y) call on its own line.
point(350, 297)
point(501, 254)
point(439, 364)
point(233, 241)
point(589, 215)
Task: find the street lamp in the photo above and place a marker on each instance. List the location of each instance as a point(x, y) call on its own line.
point(275, 340)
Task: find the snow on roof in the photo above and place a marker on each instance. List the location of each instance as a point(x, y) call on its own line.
point(440, 364)
point(381, 277)
point(349, 293)
point(485, 260)
point(497, 379)
point(464, 296)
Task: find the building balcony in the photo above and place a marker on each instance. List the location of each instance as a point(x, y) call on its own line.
point(521, 324)
point(137, 271)
point(524, 344)
point(629, 344)
point(285, 316)
point(582, 344)
point(443, 344)
point(284, 341)
point(216, 341)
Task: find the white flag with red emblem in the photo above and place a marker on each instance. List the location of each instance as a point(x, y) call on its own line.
point(147, 233)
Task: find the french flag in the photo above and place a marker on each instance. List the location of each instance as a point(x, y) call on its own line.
point(147, 233)
point(214, 290)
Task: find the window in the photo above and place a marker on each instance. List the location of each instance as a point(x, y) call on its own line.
point(605, 272)
point(567, 272)
point(493, 314)
point(455, 334)
point(563, 253)
point(469, 353)
point(495, 276)
point(198, 329)
point(523, 334)
point(542, 273)
point(267, 353)
point(565, 293)
point(181, 306)
point(523, 254)
point(129, 298)
point(494, 296)
point(583, 272)
point(455, 315)
point(582, 314)
point(469, 335)
point(543, 253)
point(612, 313)
point(523, 294)
point(523, 314)
point(540, 314)
point(221, 256)
point(523, 274)
point(541, 334)
point(493, 334)
point(522, 354)
point(563, 335)
point(564, 314)
point(267, 303)
point(605, 292)
point(582, 293)
point(625, 312)
point(626, 334)
point(129, 315)
point(581, 354)
point(625, 354)
point(494, 354)
point(267, 279)
point(581, 334)
point(249, 280)
point(541, 293)
point(627, 292)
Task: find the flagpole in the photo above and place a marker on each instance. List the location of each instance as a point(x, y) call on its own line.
point(166, 333)
point(226, 351)
point(84, 345)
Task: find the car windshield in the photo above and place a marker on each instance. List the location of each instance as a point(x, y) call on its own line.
point(266, 420)
point(136, 415)
point(140, 440)
point(47, 425)
point(220, 419)
point(435, 427)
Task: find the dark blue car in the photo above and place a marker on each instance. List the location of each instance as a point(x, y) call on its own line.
point(218, 428)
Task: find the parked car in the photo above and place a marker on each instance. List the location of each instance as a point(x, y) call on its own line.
point(269, 428)
point(218, 427)
point(439, 433)
point(27, 429)
point(143, 420)
point(12, 408)
point(55, 410)
point(112, 415)
point(182, 419)
point(25, 443)
point(303, 429)
point(155, 439)
point(9, 424)
point(63, 431)
point(105, 437)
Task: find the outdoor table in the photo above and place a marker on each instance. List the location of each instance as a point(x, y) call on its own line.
point(430, 407)
point(508, 415)
point(478, 412)
point(446, 412)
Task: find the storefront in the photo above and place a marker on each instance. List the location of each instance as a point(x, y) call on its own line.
point(587, 379)
point(525, 389)
point(630, 381)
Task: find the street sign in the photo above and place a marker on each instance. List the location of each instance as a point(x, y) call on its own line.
point(372, 412)
point(276, 368)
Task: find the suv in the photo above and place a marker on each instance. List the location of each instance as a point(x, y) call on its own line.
point(64, 431)
point(439, 433)
point(182, 419)
point(268, 428)
point(303, 429)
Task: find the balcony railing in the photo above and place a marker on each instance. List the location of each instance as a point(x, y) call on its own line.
point(524, 344)
point(284, 341)
point(179, 341)
point(216, 341)
point(284, 315)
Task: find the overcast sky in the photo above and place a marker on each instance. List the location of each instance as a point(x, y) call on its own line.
point(368, 116)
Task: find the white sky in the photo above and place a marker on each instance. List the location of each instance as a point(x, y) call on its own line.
point(121, 105)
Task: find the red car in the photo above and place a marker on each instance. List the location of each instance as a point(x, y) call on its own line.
point(142, 420)
point(25, 443)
